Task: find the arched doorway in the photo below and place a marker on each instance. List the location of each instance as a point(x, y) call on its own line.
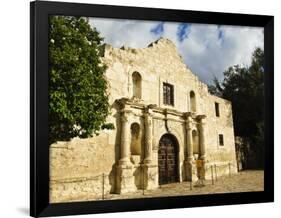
point(168, 159)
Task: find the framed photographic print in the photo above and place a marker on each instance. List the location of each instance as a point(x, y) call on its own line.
point(143, 108)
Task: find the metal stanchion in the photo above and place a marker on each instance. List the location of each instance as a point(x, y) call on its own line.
point(216, 172)
point(103, 186)
point(190, 187)
point(143, 180)
point(212, 175)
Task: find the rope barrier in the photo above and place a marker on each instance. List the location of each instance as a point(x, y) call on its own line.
point(78, 179)
point(218, 173)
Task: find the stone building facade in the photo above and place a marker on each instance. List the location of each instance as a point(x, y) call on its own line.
point(163, 117)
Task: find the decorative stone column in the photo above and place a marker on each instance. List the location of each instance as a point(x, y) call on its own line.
point(125, 169)
point(150, 170)
point(125, 139)
point(189, 139)
point(189, 147)
point(202, 139)
point(148, 118)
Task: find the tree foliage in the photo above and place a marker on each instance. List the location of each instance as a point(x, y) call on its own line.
point(244, 87)
point(78, 101)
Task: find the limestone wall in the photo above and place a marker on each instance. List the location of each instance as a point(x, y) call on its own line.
point(158, 63)
point(219, 125)
point(76, 166)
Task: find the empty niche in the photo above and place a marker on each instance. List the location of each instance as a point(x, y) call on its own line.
point(192, 100)
point(135, 139)
point(136, 77)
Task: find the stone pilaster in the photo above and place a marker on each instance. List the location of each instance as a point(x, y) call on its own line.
point(148, 119)
point(150, 170)
point(189, 147)
point(189, 139)
point(125, 169)
point(125, 138)
point(202, 140)
point(202, 137)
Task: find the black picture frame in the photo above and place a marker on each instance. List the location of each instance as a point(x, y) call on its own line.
point(39, 148)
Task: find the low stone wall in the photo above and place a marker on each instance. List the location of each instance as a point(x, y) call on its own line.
point(77, 166)
point(79, 188)
point(219, 169)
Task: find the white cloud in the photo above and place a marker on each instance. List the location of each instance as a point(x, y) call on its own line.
point(124, 32)
point(208, 50)
point(209, 56)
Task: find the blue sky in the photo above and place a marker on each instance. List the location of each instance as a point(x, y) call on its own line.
point(206, 49)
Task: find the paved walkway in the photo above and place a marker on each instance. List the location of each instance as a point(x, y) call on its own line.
point(241, 182)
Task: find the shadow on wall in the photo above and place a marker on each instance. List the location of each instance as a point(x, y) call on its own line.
point(112, 174)
point(111, 178)
point(138, 175)
point(183, 172)
point(229, 116)
point(117, 117)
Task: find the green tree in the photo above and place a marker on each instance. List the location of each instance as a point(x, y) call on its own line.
point(78, 101)
point(244, 87)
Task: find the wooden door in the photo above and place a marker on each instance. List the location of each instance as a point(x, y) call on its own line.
point(167, 160)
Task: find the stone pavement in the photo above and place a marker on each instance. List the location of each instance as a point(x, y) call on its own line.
point(245, 181)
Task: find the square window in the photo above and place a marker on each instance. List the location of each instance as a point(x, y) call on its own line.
point(221, 143)
point(168, 94)
point(217, 109)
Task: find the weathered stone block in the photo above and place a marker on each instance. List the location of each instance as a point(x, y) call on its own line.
point(125, 180)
